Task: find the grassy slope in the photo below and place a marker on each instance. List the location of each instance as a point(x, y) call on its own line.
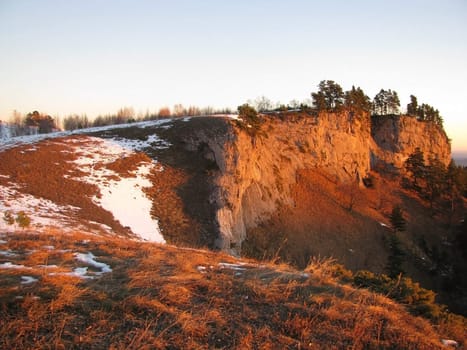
point(321, 224)
point(159, 297)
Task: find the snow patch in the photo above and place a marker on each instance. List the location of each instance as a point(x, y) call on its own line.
point(128, 203)
point(123, 197)
point(89, 259)
point(449, 342)
point(9, 142)
point(9, 265)
point(153, 141)
point(48, 266)
point(28, 280)
point(235, 267)
point(42, 212)
point(80, 272)
point(8, 253)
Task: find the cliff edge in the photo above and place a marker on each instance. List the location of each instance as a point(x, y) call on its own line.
point(257, 172)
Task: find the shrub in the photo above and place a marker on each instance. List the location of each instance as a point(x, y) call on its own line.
point(420, 301)
point(23, 220)
point(8, 218)
point(250, 118)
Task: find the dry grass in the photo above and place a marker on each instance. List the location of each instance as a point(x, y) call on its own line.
point(168, 207)
point(47, 173)
point(167, 297)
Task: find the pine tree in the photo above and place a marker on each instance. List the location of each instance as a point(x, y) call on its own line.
point(393, 102)
point(436, 179)
point(396, 257)
point(355, 100)
point(379, 104)
point(386, 102)
point(330, 96)
point(415, 165)
point(397, 219)
point(412, 107)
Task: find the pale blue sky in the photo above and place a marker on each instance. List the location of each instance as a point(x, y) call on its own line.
point(95, 56)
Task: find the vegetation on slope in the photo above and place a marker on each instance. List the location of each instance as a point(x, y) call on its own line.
point(153, 296)
point(251, 281)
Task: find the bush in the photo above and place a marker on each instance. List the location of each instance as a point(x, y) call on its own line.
point(23, 220)
point(420, 301)
point(8, 218)
point(250, 117)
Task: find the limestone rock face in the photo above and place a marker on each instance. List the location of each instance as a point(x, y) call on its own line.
point(396, 137)
point(254, 174)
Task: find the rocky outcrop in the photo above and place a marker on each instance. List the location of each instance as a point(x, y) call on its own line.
point(394, 138)
point(254, 173)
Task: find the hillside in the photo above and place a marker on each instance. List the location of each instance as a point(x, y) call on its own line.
point(82, 291)
point(289, 191)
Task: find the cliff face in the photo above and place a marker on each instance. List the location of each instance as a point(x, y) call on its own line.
point(290, 191)
point(396, 137)
point(256, 173)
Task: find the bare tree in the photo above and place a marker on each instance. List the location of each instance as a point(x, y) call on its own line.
point(261, 104)
point(352, 194)
point(179, 110)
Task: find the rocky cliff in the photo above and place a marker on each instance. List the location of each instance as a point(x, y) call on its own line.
point(258, 172)
point(255, 174)
point(394, 138)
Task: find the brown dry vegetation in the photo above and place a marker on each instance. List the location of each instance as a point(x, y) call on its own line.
point(162, 297)
point(44, 171)
point(177, 227)
point(126, 166)
point(157, 297)
point(181, 191)
point(320, 223)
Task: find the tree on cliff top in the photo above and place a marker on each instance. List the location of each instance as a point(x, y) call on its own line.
point(355, 100)
point(386, 102)
point(330, 96)
point(412, 107)
point(430, 114)
point(424, 112)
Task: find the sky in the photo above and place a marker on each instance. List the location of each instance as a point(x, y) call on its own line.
point(96, 56)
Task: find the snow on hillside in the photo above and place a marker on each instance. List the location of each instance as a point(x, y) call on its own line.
point(122, 195)
point(42, 212)
point(8, 142)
